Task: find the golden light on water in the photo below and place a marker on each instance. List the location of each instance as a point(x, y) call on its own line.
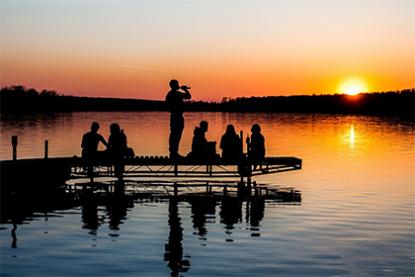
point(353, 86)
point(352, 136)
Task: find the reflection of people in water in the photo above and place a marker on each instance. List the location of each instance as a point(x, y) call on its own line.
point(200, 207)
point(14, 237)
point(174, 248)
point(175, 103)
point(90, 212)
point(256, 145)
point(89, 144)
point(117, 210)
point(230, 144)
point(231, 212)
point(256, 213)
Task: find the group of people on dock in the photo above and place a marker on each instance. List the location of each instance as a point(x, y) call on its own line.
point(231, 143)
point(202, 149)
point(116, 146)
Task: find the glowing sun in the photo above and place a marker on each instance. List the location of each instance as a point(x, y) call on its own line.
point(352, 87)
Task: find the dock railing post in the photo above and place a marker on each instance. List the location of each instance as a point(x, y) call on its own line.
point(14, 144)
point(46, 149)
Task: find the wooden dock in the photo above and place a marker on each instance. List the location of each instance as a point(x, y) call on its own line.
point(57, 171)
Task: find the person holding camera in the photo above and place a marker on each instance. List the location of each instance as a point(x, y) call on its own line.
point(175, 104)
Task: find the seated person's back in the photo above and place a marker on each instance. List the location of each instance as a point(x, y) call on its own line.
point(257, 144)
point(117, 141)
point(199, 142)
point(201, 148)
point(230, 144)
point(91, 140)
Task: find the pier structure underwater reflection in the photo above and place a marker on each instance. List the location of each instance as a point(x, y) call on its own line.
point(99, 209)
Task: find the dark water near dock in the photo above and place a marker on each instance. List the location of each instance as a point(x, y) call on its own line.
point(356, 217)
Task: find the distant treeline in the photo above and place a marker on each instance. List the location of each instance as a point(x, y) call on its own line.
point(18, 99)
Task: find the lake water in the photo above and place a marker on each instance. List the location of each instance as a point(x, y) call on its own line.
point(356, 217)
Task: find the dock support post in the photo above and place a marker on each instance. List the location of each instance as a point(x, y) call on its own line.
point(46, 149)
point(248, 185)
point(175, 189)
point(14, 144)
point(176, 170)
point(255, 188)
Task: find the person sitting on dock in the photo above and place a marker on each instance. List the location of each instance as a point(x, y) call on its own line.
point(256, 145)
point(230, 144)
point(89, 144)
point(117, 148)
point(201, 148)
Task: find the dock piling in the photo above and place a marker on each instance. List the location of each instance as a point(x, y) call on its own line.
point(14, 144)
point(46, 149)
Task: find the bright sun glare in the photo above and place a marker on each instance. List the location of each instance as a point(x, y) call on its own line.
point(352, 87)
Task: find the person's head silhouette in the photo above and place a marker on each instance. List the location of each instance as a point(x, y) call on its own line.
point(256, 129)
point(115, 128)
point(203, 125)
point(230, 129)
point(94, 126)
point(174, 84)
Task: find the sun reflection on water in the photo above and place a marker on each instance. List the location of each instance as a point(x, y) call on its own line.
point(352, 136)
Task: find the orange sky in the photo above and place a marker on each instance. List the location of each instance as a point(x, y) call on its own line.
point(132, 49)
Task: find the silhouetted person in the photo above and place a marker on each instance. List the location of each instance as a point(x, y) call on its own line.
point(256, 145)
point(230, 144)
point(202, 149)
point(89, 146)
point(175, 103)
point(91, 140)
point(174, 247)
point(117, 148)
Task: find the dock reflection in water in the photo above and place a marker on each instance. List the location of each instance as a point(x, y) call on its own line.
point(98, 207)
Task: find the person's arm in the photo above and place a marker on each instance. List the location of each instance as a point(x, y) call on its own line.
point(101, 138)
point(186, 94)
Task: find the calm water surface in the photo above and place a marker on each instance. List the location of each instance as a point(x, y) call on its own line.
point(356, 217)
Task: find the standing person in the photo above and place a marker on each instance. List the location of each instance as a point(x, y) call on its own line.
point(230, 144)
point(89, 146)
point(175, 103)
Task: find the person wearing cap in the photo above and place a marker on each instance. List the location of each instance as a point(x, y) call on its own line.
point(175, 104)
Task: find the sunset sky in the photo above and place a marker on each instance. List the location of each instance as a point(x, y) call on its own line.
point(220, 48)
